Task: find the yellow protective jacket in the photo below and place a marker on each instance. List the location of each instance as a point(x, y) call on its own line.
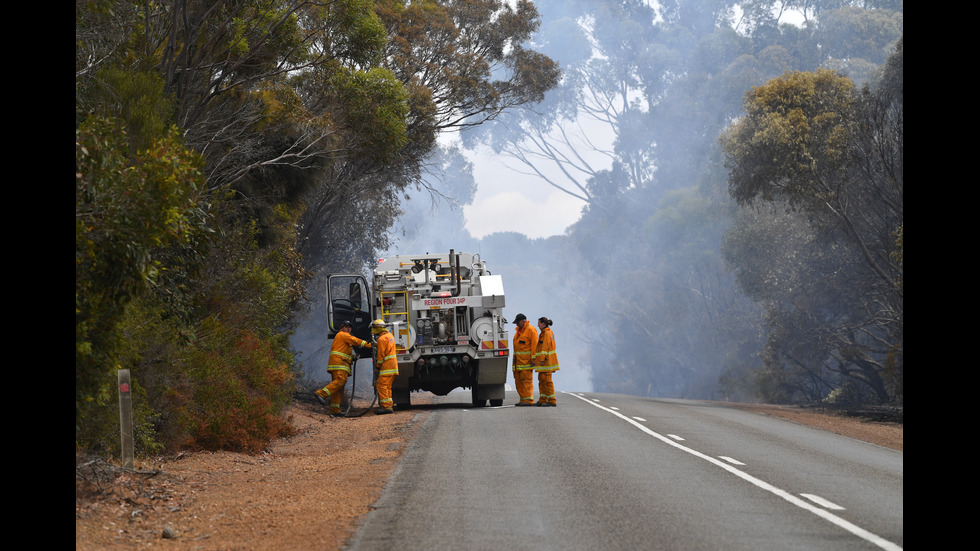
point(387, 362)
point(342, 349)
point(545, 357)
point(524, 342)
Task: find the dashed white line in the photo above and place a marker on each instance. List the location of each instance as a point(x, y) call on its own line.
point(675, 437)
point(822, 513)
point(640, 419)
point(825, 503)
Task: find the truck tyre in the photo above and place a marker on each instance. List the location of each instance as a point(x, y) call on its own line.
point(402, 398)
point(478, 402)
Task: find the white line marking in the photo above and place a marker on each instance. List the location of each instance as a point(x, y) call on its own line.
point(730, 460)
point(614, 408)
point(825, 503)
point(640, 419)
point(675, 437)
point(830, 517)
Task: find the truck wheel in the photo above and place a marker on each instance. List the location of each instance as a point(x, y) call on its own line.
point(402, 398)
point(478, 402)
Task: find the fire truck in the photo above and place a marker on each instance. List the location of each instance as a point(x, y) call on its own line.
point(445, 312)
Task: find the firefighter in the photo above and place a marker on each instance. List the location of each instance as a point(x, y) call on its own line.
point(546, 361)
point(387, 366)
point(525, 339)
point(339, 367)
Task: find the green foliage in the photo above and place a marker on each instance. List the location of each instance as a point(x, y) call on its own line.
point(203, 374)
point(360, 35)
point(248, 286)
point(138, 100)
point(818, 167)
point(375, 108)
point(793, 142)
point(852, 32)
point(100, 433)
point(468, 56)
point(125, 208)
point(459, 64)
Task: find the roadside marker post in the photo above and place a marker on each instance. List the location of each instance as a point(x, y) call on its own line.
point(125, 418)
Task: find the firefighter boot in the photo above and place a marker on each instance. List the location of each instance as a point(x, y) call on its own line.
point(383, 411)
point(322, 396)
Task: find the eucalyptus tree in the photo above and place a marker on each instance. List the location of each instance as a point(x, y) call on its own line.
point(812, 143)
point(660, 82)
point(461, 63)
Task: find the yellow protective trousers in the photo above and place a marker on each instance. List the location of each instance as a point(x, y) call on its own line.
point(524, 381)
point(384, 391)
point(336, 388)
point(546, 388)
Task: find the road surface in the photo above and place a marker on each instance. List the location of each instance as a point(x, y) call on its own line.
point(609, 472)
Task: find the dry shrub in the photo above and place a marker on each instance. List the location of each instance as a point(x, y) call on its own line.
point(236, 397)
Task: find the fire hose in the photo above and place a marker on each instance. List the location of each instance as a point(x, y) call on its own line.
point(374, 383)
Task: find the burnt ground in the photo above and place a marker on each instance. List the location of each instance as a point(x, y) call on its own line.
point(306, 491)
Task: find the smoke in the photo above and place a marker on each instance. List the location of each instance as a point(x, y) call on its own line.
point(604, 207)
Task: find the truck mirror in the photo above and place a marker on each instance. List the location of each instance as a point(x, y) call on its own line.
point(355, 295)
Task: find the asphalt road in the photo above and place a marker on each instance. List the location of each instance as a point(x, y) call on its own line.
point(608, 472)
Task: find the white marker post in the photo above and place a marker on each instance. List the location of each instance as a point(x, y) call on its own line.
point(125, 418)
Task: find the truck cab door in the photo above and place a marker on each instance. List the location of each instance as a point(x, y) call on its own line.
point(348, 299)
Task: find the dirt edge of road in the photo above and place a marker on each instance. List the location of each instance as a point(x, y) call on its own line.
point(305, 492)
point(865, 426)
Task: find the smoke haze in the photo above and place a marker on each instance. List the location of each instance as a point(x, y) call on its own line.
point(616, 232)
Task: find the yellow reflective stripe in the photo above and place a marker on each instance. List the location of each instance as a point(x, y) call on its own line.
point(389, 372)
point(341, 354)
point(388, 357)
point(338, 368)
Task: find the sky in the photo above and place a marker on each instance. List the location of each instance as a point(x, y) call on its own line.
point(506, 200)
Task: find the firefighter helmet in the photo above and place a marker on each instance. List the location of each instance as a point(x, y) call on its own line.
point(378, 326)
